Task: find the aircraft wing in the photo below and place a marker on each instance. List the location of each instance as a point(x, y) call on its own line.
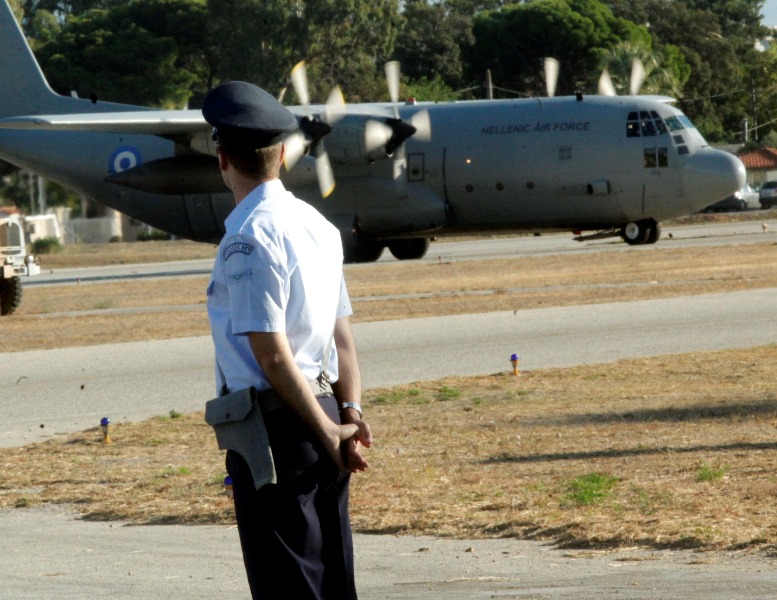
point(154, 122)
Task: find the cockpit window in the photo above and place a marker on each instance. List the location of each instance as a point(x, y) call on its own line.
point(674, 124)
point(686, 121)
point(645, 124)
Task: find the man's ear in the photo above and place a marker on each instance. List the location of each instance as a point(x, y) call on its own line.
point(223, 162)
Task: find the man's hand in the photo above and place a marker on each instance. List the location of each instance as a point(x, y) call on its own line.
point(336, 435)
point(363, 436)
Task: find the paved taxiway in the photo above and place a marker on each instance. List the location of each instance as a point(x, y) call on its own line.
point(47, 554)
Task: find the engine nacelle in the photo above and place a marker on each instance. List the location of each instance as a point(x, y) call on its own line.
point(347, 142)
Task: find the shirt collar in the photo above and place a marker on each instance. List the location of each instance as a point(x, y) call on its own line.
point(252, 200)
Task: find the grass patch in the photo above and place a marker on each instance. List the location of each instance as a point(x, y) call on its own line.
point(708, 473)
point(590, 489)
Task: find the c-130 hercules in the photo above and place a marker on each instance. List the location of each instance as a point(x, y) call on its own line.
point(404, 173)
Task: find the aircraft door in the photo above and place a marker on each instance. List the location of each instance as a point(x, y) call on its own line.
point(660, 173)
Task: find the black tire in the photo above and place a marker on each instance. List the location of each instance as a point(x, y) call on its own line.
point(10, 295)
point(362, 252)
point(636, 233)
point(655, 233)
point(409, 249)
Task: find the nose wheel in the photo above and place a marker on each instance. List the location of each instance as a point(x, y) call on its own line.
point(636, 233)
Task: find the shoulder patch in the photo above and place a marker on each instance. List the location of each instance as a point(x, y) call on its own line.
point(238, 247)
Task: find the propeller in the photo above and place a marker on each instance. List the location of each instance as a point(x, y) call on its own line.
point(391, 133)
point(606, 88)
point(637, 76)
point(310, 138)
point(551, 75)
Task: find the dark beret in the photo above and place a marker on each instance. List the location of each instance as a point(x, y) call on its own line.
point(246, 114)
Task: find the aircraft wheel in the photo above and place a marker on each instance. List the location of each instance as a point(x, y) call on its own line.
point(362, 252)
point(10, 295)
point(409, 249)
point(635, 233)
point(655, 233)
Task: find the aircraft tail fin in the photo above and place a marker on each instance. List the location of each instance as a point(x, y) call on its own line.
point(25, 89)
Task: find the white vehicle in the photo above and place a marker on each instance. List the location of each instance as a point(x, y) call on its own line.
point(14, 262)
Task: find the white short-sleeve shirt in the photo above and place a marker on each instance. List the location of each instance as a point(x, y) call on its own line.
point(279, 268)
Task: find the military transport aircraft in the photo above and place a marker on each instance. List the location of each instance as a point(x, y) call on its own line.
point(402, 174)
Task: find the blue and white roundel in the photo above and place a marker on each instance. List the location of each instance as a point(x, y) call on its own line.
point(124, 158)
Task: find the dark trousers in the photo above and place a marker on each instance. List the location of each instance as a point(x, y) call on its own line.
point(296, 534)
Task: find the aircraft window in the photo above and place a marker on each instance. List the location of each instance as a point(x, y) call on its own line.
point(654, 114)
point(643, 114)
point(565, 153)
point(663, 157)
point(686, 121)
point(682, 149)
point(650, 158)
point(660, 126)
point(648, 129)
point(633, 116)
point(678, 139)
point(632, 128)
point(674, 124)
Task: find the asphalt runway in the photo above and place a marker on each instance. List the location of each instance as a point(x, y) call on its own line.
point(47, 553)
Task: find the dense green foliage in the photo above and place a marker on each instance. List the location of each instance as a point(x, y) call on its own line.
point(168, 53)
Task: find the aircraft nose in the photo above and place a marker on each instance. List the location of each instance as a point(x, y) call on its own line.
point(711, 175)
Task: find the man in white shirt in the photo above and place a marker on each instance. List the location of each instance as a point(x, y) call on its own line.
point(279, 313)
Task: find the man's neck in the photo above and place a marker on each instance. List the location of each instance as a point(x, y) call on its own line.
point(244, 186)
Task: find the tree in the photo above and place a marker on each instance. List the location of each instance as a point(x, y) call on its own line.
point(17, 9)
point(342, 42)
point(514, 41)
point(429, 44)
point(470, 8)
point(139, 53)
point(717, 93)
point(665, 73)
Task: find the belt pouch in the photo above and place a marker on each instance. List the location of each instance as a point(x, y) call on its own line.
point(237, 420)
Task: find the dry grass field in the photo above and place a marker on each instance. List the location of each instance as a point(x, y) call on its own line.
point(165, 308)
point(669, 452)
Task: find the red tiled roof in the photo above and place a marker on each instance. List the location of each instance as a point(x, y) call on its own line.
point(761, 158)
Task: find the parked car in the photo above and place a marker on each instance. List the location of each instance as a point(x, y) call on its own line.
point(745, 197)
point(768, 194)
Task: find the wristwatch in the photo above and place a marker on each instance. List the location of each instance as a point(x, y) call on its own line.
point(352, 405)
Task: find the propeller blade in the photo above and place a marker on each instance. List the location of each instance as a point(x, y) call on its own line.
point(606, 88)
point(637, 76)
point(376, 135)
point(551, 75)
point(295, 149)
point(299, 79)
point(392, 79)
point(334, 110)
point(326, 179)
point(423, 126)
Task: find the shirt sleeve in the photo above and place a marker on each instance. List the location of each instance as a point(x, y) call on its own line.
point(257, 285)
point(344, 308)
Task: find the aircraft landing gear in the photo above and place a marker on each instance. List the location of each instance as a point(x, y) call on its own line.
point(409, 249)
point(362, 252)
point(641, 232)
point(10, 295)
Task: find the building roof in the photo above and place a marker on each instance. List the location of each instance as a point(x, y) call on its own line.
point(760, 158)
